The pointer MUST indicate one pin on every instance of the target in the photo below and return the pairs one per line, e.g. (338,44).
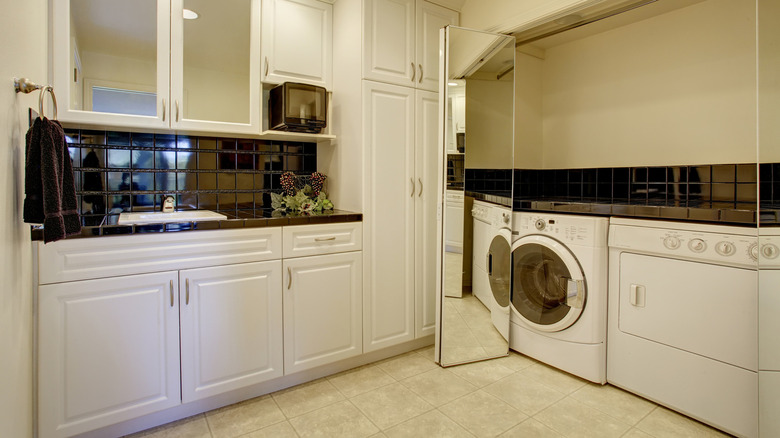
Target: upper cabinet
(215,61)
(402,41)
(149,64)
(297,42)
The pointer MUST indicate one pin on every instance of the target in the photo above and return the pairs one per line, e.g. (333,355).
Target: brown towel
(50,192)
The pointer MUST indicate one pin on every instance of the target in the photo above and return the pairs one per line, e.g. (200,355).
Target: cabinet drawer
(306,240)
(80,259)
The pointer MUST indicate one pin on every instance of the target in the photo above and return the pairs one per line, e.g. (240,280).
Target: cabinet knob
(266,67)
(171,293)
(414,70)
(289,277)
(421,74)
(163,109)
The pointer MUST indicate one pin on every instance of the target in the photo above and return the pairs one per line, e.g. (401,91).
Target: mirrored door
(478,150)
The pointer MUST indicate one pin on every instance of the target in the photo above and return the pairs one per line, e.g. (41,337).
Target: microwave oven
(298,107)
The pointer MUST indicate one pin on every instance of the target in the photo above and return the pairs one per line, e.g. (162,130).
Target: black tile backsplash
(123,171)
(497,182)
(700,186)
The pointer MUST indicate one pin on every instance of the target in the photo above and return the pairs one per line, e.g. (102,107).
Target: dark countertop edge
(495,199)
(338,216)
(731,216)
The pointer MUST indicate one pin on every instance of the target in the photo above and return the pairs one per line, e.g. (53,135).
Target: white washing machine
(683,309)
(769,332)
(491,271)
(559,291)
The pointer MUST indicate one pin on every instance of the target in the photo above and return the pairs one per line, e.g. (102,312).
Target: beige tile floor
(410,396)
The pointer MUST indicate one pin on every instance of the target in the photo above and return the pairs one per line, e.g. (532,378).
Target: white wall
(23,53)
(342,160)
(489,126)
(675,89)
(769,77)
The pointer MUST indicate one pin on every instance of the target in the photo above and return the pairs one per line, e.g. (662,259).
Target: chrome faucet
(169,202)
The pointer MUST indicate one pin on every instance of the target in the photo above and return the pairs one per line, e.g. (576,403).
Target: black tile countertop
(235,219)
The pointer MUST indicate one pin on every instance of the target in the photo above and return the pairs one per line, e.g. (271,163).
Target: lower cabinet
(108,351)
(231,327)
(116,348)
(322,310)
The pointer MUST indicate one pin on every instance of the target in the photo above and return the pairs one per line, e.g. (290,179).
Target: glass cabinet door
(110,61)
(215,65)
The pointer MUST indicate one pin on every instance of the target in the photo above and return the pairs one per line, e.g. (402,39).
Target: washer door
(548,286)
(499,267)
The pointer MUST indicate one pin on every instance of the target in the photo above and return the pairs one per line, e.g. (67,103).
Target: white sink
(157,217)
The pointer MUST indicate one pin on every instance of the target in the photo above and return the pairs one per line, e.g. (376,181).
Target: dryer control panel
(736,248)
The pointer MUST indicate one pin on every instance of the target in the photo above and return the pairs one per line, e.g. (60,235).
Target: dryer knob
(697,245)
(506,218)
(540,224)
(672,242)
(753,251)
(725,248)
(769,250)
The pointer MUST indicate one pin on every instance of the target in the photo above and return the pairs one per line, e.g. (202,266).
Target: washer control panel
(481,212)
(579,230)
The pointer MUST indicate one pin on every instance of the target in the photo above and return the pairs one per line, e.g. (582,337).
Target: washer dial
(672,242)
(769,250)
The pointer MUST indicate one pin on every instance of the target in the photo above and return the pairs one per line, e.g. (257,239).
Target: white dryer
(769,331)
(491,271)
(559,291)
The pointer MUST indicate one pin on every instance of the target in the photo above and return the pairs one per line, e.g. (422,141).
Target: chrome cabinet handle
(413,71)
(266,67)
(324,239)
(289,277)
(411,180)
(163,111)
(421,74)
(171,293)
(177,110)
(187,288)
(421,187)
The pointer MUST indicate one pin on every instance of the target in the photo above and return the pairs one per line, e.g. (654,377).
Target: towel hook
(24,85)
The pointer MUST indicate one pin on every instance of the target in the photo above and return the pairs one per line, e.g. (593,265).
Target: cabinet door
(108,351)
(215,63)
(322,310)
(231,327)
(388,41)
(297,42)
(388,228)
(110,61)
(427,202)
(430,18)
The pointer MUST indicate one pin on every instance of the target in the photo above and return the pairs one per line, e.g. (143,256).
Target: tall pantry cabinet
(400,111)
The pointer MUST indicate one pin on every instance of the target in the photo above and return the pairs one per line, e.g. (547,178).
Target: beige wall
(504,15)
(489,124)
(769,85)
(23,53)
(678,88)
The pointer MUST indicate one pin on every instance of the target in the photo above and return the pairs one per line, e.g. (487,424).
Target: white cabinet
(143,66)
(231,327)
(322,310)
(108,351)
(297,42)
(401,41)
(400,210)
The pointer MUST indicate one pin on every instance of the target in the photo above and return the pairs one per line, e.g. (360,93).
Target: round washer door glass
(548,284)
(499,268)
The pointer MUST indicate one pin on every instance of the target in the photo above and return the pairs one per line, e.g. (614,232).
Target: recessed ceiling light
(188,14)
(452,84)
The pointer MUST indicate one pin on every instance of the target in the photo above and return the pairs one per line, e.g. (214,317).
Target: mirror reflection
(769,216)
(477,219)
(114,67)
